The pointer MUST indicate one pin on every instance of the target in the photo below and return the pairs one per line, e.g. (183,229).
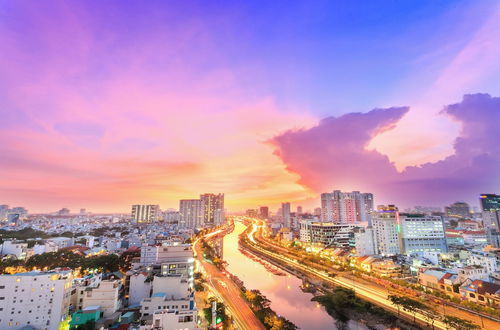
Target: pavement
(225,289)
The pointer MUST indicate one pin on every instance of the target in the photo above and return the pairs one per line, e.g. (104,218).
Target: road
(226,290)
(370,292)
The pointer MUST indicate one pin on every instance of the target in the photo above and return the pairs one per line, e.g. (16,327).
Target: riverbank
(378,317)
(284,293)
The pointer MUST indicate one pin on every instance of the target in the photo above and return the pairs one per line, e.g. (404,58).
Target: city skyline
(105,105)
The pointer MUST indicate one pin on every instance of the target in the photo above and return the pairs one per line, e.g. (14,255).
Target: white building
(79,287)
(169,299)
(61,242)
(15,248)
(139,286)
(484,259)
(45,248)
(158,254)
(171,294)
(327,233)
(422,233)
(170,320)
(472,273)
(105,295)
(364,241)
(38,299)
(387,230)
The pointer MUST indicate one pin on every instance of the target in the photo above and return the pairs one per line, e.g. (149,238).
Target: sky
(104,104)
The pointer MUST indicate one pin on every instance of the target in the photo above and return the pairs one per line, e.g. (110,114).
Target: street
(226,290)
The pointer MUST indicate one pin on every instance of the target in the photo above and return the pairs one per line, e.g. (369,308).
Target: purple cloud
(333,154)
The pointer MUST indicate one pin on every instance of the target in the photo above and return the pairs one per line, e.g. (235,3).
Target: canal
(287,299)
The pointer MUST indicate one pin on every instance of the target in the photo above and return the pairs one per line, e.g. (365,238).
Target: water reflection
(286,297)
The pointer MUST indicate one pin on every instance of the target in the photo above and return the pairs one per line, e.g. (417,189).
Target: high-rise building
(285,214)
(490,205)
(458,210)
(212,209)
(264,212)
(4,211)
(35,299)
(145,213)
(13,219)
(299,210)
(171,216)
(21,211)
(63,211)
(422,233)
(346,207)
(190,213)
(252,213)
(387,230)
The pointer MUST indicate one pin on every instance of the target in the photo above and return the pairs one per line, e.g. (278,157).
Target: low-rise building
(327,233)
(15,248)
(481,292)
(167,320)
(387,268)
(430,278)
(105,295)
(473,272)
(89,314)
(364,242)
(484,259)
(172,296)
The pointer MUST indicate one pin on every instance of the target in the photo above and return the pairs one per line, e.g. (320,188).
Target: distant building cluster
(12,216)
(454,250)
(154,292)
(206,211)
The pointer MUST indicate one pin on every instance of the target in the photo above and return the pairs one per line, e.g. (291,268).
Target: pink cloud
(333,155)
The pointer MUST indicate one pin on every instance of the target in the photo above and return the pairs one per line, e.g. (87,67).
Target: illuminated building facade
(346,207)
(387,230)
(421,233)
(145,213)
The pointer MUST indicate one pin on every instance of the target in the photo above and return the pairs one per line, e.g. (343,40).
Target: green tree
(459,324)
(125,260)
(396,301)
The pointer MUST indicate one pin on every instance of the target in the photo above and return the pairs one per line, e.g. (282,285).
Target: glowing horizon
(105,105)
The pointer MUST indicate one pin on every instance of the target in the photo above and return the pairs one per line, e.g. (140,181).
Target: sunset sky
(108,103)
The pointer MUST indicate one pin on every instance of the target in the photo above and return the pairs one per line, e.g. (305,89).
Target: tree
(459,324)
(431,316)
(396,301)
(409,305)
(125,260)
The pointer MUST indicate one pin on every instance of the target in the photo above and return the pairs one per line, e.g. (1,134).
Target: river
(283,291)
